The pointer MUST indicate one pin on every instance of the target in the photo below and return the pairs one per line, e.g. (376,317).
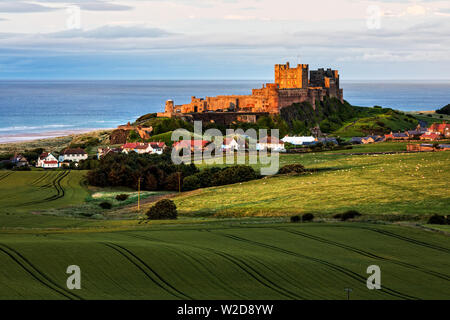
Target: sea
(42,109)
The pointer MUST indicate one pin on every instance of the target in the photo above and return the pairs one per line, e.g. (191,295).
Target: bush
(351,214)
(295,219)
(105,205)
(163,209)
(122,197)
(295,168)
(307,217)
(191,183)
(437,219)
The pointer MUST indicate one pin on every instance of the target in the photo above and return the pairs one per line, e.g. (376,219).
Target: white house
(48,161)
(73,155)
(298,140)
(141,148)
(231,144)
(270,143)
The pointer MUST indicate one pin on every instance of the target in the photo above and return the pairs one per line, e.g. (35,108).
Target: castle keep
(292,85)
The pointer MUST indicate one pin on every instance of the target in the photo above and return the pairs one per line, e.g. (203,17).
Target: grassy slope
(411,184)
(284,261)
(40,190)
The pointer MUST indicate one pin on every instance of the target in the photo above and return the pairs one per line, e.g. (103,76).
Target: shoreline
(45,135)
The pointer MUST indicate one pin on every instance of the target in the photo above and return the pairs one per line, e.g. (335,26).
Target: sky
(223,39)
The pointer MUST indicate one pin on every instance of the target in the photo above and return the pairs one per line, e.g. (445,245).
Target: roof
(444,146)
(400,135)
(190,143)
(135,145)
(430,135)
(157,144)
(43,155)
(73,151)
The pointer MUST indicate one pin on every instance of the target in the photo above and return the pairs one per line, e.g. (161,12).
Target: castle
(292,85)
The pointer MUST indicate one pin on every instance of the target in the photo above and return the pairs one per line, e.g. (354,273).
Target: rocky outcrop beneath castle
(292,85)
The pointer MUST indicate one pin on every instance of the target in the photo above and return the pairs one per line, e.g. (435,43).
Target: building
(101,152)
(428,147)
(73,155)
(47,161)
(192,145)
(442,129)
(270,143)
(328,140)
(157,147)
(396,136)
(141,148)
(230,144)
(432,136)
(298,141)
(292,85)
(19,160)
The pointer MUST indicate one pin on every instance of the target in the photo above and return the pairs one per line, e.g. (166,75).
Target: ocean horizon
(36,109)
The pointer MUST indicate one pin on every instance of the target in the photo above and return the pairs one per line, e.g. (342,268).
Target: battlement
(287,77)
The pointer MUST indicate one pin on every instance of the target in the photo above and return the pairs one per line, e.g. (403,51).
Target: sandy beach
(28,137)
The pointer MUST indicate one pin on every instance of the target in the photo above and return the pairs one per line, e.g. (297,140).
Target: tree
(163,209)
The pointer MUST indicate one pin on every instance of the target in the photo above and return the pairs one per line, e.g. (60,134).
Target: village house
(101,152)
(47,161)
(137,147)
(19,160)
(396,136)
(432,136)
(270,143)
(73,155)
(442,129)
(328,140)
(193,145)
(428,147)
(157,147)
(230,144)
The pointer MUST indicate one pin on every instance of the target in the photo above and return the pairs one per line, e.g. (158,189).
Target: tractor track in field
(32,270)
(5,175)
(40,178)
(147,270)
(367,253)
(56,184)
(260,278)
(410,240)
(333,266)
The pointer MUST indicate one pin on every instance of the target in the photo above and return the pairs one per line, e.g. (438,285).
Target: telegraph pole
(348,290)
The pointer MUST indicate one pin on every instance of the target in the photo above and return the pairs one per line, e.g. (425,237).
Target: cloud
(10,6)
(112,32)
(22,7)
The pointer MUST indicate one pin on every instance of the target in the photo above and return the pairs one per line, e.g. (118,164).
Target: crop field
(415,185)
(219,261)
(26,191)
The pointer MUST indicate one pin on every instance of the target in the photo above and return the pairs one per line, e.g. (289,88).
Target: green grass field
(414,185)
(25,191)
(220,261)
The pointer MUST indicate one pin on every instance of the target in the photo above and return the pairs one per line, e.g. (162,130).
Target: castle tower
(169,106)
(287,77)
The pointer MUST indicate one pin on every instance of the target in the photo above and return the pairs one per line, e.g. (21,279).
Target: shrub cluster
(162,210)
(122,197)
(105,205)
(217,177)
(438,219)
(304,218)
(351,214)
(156,172)
(295,168)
